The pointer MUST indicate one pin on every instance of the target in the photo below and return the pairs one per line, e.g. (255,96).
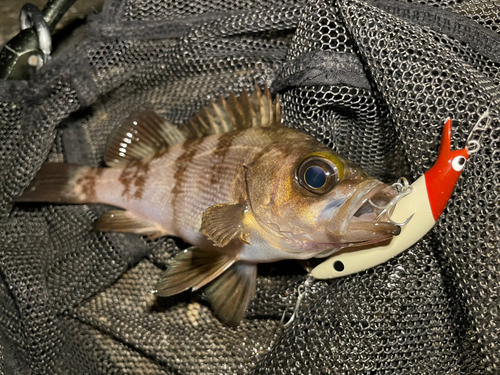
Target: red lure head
(441,179)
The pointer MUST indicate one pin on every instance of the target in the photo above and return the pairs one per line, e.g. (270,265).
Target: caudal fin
(56,182)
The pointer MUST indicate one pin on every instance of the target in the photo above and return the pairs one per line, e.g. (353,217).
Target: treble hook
(403,188)
(302,291)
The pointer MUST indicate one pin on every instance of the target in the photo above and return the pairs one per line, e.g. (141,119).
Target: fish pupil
(315,177)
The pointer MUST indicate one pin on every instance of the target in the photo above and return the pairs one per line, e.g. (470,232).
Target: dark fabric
(372,79)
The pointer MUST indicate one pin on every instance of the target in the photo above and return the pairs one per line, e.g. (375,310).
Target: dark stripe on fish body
(135,174)
(125,179)
(190,148)
(141,178)
(224,144)
(88,183)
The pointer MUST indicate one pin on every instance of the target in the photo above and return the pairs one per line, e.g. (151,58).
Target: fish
(233,182)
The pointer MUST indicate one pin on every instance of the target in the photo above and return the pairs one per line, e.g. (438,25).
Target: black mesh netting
(373,79)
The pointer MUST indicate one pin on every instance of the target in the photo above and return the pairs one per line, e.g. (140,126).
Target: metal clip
(29,50)
(30,17)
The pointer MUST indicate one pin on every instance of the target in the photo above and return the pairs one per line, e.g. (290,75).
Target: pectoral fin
(126,221)
(230,294)
(224,222)
(193,268)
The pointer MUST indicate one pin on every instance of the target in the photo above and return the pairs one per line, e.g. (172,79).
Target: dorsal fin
(235,113)
(140,136)
(145,133)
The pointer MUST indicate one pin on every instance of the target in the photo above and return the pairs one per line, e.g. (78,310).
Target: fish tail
(61,183)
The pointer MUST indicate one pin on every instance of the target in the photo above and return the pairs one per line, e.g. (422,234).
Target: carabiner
(29,50)
(31,16)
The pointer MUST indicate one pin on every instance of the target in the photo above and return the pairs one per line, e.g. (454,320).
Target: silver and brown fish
(233,182)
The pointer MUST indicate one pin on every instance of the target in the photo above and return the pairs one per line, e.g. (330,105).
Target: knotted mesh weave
(373,79)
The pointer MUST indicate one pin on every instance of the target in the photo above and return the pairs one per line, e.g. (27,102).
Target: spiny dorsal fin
(276,114)
(230,294)
(235,113)
(193,268)
(140,136)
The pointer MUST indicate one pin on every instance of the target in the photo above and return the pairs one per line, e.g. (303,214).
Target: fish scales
(179,176)
(234,183)
(214,173)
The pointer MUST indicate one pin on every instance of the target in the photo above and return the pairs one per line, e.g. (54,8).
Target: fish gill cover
(374,80)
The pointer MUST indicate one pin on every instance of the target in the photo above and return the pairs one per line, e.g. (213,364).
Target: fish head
(313,199)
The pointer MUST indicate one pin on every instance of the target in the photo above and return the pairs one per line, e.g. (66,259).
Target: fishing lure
(419,206)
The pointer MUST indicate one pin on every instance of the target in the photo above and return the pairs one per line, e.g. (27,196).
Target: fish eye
(317,174)
(315,177)
(458,163)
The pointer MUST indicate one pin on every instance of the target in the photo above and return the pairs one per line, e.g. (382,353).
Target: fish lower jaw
(375,228)
(270,244)
(261,251)
(367,234)
(353,245)
(308,248)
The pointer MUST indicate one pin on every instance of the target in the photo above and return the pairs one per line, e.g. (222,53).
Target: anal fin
(126,221)
(230,294)
(193,268)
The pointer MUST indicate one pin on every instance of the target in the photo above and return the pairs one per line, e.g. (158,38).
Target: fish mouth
(361,223)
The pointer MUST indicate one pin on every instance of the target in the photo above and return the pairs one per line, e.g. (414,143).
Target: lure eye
(458,163)
(317,175)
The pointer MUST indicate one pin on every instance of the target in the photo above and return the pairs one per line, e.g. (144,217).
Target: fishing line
(474,145)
